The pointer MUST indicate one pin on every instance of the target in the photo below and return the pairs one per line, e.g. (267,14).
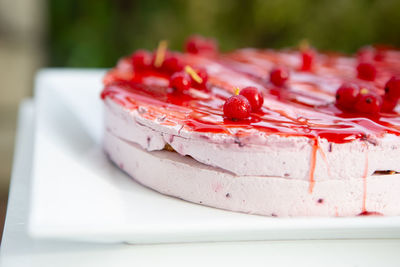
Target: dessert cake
(278,133)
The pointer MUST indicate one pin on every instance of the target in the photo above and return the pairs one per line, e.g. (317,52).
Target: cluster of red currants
(250,99)
(239,107)
(350,97)
(181,76)
(143,60)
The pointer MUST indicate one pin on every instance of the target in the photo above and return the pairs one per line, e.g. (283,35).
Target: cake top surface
(299,90)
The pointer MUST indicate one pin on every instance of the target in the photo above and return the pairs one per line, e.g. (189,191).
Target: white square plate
(78,194)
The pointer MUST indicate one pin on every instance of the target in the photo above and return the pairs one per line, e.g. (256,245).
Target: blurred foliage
(96,33)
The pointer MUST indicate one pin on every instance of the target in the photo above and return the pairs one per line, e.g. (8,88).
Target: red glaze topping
(306,107)
(370,213)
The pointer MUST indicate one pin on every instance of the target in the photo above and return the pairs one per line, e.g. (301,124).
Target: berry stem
(304,45)
(364,91)
(160,54)
(189,70)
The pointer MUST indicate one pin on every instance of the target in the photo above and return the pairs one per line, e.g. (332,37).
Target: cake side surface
(183,177)
(288,157)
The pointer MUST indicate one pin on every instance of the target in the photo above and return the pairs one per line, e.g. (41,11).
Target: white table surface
(18,249)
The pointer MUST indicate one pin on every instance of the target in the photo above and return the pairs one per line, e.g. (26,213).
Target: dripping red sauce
(313,160)
(304,107)
(370,213)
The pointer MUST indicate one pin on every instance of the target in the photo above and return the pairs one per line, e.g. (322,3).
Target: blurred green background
(96,33)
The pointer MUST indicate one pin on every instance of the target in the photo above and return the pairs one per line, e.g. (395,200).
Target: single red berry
(392,88)
(307,57)
(388,104)
(202,73)
(172,64)
(200,45)
(346,95)
(279,76)
(141,60)
(366,71)
(180,81)
(254,96)
(237,108)
(368,103)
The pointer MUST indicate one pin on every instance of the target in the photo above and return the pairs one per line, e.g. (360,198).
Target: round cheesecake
(299,155)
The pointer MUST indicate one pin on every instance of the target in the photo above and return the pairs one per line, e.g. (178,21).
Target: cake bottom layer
(183,177)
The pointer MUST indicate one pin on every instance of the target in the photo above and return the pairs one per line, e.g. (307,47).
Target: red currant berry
(141,60)
(200,45)
(366,71)
(388,105)
(180,81)
(237,108)
(279,76)
(254,96)
(346,95)
(172,64)
(392,88)
(368,103)
(202,73)
(307,57)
